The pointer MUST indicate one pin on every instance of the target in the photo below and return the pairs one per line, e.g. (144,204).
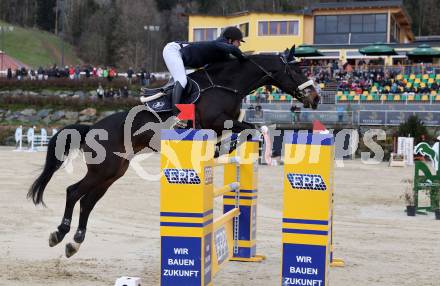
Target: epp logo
(182,176)
(306,182)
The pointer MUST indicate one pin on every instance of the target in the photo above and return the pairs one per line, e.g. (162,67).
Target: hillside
(36,48)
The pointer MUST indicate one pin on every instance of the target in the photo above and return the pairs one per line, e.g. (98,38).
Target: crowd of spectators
(362,77)
(418,79)
(112,92)
(77,73)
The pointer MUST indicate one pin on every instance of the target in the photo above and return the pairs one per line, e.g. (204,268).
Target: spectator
(9,74)
(109,94)
(87,72)
(124,92)
(105,73)
(100,72)
(18,74)
(40,75)
(31,74)
(77,72)
(142,77)
(296,112)
(147,78)
(111,74)
(100,92)
(130,74)
(71,72)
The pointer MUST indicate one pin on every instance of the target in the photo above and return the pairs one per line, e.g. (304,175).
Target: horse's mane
(232,62)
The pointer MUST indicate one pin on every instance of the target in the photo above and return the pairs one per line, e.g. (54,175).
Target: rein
(235,91)
(213,85)
(266,74)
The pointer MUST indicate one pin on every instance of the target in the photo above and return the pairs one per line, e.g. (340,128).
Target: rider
(178,55)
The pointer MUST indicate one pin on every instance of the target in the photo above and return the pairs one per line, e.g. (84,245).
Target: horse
(223,88)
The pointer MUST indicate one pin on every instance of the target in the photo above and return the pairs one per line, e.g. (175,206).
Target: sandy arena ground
(380,244)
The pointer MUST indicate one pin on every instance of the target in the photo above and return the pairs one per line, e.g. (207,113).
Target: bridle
(299,95)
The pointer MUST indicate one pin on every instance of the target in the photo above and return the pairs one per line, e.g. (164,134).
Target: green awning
(378,49)
(304,51)
(424,51)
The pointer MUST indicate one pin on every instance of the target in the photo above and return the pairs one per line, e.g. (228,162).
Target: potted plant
(398,157)
(409,197)
(436,197)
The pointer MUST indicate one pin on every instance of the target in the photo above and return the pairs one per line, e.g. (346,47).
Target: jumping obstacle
(194,245)
(308,209)
(425,178)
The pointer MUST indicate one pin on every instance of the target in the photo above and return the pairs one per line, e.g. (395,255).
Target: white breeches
(174,63)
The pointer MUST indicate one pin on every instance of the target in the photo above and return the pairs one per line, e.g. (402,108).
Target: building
(263,32)
(337,29)
(360,23)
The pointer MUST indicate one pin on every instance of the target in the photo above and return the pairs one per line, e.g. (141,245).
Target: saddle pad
(163,104)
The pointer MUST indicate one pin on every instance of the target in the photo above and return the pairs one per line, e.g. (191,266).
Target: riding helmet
(233,33)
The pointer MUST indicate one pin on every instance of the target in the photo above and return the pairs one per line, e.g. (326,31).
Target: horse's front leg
(225,122)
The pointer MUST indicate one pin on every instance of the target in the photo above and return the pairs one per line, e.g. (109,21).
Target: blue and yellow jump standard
(186,205)
(247,174)
(194,245)
(307,208)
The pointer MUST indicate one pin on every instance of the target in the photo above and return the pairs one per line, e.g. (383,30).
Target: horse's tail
(53,163)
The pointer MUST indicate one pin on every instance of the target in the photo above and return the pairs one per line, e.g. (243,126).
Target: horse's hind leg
(73,194)
(87,204)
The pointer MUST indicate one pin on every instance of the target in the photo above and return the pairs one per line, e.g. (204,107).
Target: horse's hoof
(53,239)
(72,248)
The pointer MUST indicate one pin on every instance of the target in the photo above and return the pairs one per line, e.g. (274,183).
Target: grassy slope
(36,48)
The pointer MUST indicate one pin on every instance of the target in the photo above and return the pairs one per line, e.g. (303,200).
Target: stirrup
(144,99)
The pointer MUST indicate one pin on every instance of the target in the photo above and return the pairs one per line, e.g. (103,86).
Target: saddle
(159,99)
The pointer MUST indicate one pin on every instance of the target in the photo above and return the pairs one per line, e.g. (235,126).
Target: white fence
(31,142)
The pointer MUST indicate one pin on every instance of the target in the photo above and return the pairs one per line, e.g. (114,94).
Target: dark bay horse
(224,84)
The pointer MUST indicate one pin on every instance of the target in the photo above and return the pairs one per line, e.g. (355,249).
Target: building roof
(242,13)
(9,62)
(357,5)
(321,6)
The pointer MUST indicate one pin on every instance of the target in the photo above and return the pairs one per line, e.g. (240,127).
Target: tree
(413,127)
(46,14)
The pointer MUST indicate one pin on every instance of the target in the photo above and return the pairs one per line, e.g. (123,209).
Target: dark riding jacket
(199,54)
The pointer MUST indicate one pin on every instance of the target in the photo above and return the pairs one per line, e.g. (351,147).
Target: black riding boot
(177,95)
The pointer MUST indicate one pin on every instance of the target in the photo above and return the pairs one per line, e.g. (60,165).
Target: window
(381,23)
(275,28)
(343,24)
(356,23)
(293,28)
(331,24)
(205,34)
(320,24)
(369,23)
(263,28)
(283,28)
(244,29)
(357,28)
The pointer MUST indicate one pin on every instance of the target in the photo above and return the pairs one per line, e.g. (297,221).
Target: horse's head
(291,79)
